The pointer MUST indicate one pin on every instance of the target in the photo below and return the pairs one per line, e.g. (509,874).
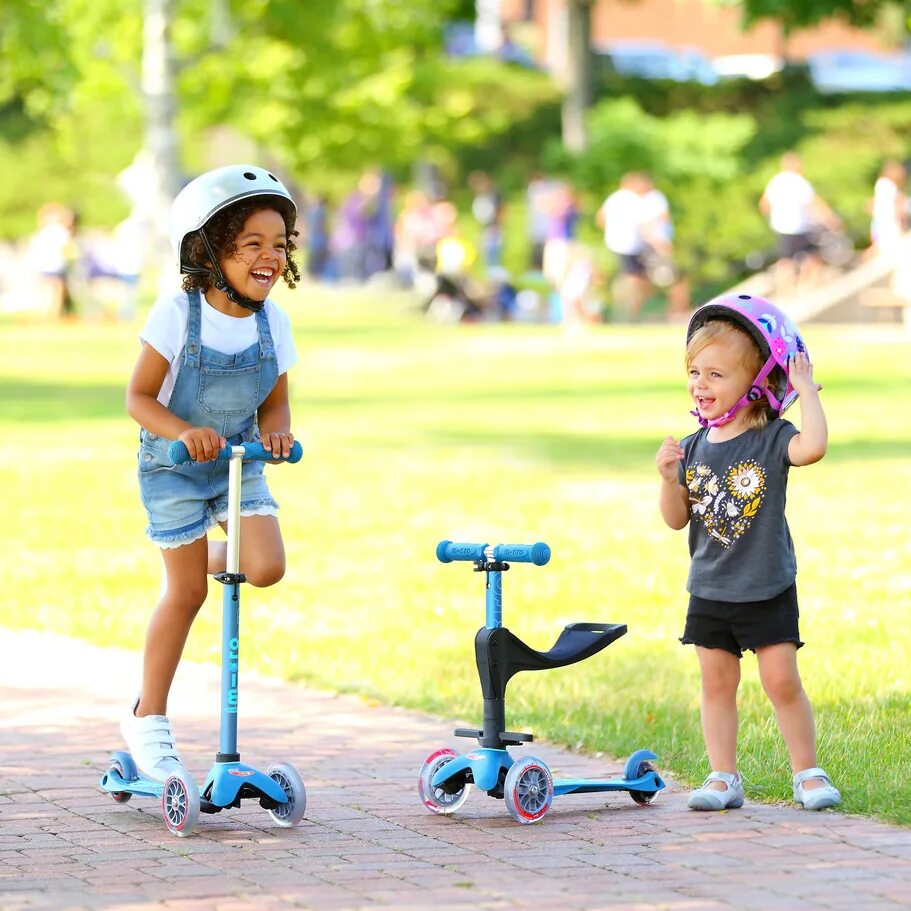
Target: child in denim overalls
(212,371)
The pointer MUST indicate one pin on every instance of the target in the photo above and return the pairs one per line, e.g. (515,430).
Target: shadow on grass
(36,401)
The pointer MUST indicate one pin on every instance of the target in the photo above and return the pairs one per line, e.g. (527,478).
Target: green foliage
(794,14)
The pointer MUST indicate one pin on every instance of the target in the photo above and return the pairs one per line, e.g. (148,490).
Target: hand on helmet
(801,374)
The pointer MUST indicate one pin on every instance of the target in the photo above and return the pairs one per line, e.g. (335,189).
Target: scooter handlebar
(538,553)
(180,455)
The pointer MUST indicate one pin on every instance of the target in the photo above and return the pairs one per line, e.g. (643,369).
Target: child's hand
(203,443)
(801,374)
(279,444)
(670,453)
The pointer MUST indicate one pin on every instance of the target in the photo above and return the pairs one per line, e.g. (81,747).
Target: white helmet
(213,191)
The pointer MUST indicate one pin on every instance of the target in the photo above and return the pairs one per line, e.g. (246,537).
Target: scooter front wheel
(287,778)
(180,803)
(528,790)
(440,800)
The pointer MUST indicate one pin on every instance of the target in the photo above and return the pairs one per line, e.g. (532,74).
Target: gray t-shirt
(740,545)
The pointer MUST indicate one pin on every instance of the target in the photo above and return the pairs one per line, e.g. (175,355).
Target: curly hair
(223,228)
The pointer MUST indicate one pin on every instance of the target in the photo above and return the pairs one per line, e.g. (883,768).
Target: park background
(416,432)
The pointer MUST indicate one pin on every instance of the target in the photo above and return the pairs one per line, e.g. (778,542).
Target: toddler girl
(746,363)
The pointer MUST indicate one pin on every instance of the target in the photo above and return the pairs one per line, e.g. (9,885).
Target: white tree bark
(160,136)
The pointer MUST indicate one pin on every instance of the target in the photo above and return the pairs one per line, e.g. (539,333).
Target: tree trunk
(578,96)
(160,138)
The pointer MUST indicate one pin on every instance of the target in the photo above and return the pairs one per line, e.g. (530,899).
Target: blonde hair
(750,358)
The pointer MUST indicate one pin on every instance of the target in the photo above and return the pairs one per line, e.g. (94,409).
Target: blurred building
(700,24)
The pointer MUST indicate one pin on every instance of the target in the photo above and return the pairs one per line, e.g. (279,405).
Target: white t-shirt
(623,213)
(790,197)
(656,213)
(886,227)
(166,331)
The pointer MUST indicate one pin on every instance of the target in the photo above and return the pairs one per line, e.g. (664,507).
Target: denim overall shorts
(224,392)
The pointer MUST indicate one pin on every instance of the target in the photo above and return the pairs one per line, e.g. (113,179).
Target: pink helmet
(778,340)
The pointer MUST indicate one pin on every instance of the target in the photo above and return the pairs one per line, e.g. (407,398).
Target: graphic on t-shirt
(726,507)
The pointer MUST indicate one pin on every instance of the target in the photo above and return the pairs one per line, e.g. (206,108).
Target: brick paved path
(366,841)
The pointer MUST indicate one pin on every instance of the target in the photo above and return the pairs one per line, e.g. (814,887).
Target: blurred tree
(794,14)
(578,74)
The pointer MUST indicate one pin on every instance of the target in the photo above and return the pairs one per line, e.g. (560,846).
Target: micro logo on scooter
(234,646)
(241,773)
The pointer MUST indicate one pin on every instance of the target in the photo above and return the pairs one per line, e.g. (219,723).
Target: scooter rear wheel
(644,797)
(180,803)
(440,800)
(123,765)
(287,778)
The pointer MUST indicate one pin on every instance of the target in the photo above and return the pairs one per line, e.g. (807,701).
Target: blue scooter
(279,789)
(526,785)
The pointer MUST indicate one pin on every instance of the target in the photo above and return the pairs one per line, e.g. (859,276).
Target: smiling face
(260,255)
(720,373)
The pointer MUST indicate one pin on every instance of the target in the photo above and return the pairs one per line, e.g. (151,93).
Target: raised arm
(810,444)
(673,500)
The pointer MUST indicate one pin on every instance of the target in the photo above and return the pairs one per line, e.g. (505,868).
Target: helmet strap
(221,283)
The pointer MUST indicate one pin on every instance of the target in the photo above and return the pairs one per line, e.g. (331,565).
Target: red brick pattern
(366,841)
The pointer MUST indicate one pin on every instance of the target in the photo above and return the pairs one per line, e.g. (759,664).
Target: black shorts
(632,263)
(739,625)
(794,245)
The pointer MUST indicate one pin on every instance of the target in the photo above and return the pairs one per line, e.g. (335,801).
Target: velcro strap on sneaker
(729,779)
(801,777)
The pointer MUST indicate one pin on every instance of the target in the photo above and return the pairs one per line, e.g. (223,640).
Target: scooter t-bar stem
(251,452)
(539,553)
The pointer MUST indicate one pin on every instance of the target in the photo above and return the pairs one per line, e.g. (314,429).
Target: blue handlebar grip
(538,553)
(179,454)
(447,551)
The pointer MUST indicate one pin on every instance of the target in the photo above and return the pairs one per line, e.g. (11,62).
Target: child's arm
(274,419)
(674,500)
(203,443)
(810,444)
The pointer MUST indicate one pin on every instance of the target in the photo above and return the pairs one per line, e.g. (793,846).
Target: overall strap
(266,346)
(191,351)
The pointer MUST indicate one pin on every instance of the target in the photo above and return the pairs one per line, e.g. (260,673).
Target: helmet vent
(744,297)
(249,175)
(273,177)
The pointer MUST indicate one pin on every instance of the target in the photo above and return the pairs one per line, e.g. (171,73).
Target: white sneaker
(151,744)
(815,798)
(707,798)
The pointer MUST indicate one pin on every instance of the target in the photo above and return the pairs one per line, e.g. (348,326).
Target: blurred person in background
(317,227)
(50,254)
(537,200)
(796,212)
(889,209)
(487,209)
(621,217)
(658,231)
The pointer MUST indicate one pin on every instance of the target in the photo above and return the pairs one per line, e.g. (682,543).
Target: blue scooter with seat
(279,789)
(526,785)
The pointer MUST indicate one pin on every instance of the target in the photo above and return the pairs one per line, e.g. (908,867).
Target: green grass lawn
(414,433)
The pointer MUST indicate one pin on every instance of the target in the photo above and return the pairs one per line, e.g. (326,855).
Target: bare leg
(262,553)
(720,679)
(781,681)
(184,593)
